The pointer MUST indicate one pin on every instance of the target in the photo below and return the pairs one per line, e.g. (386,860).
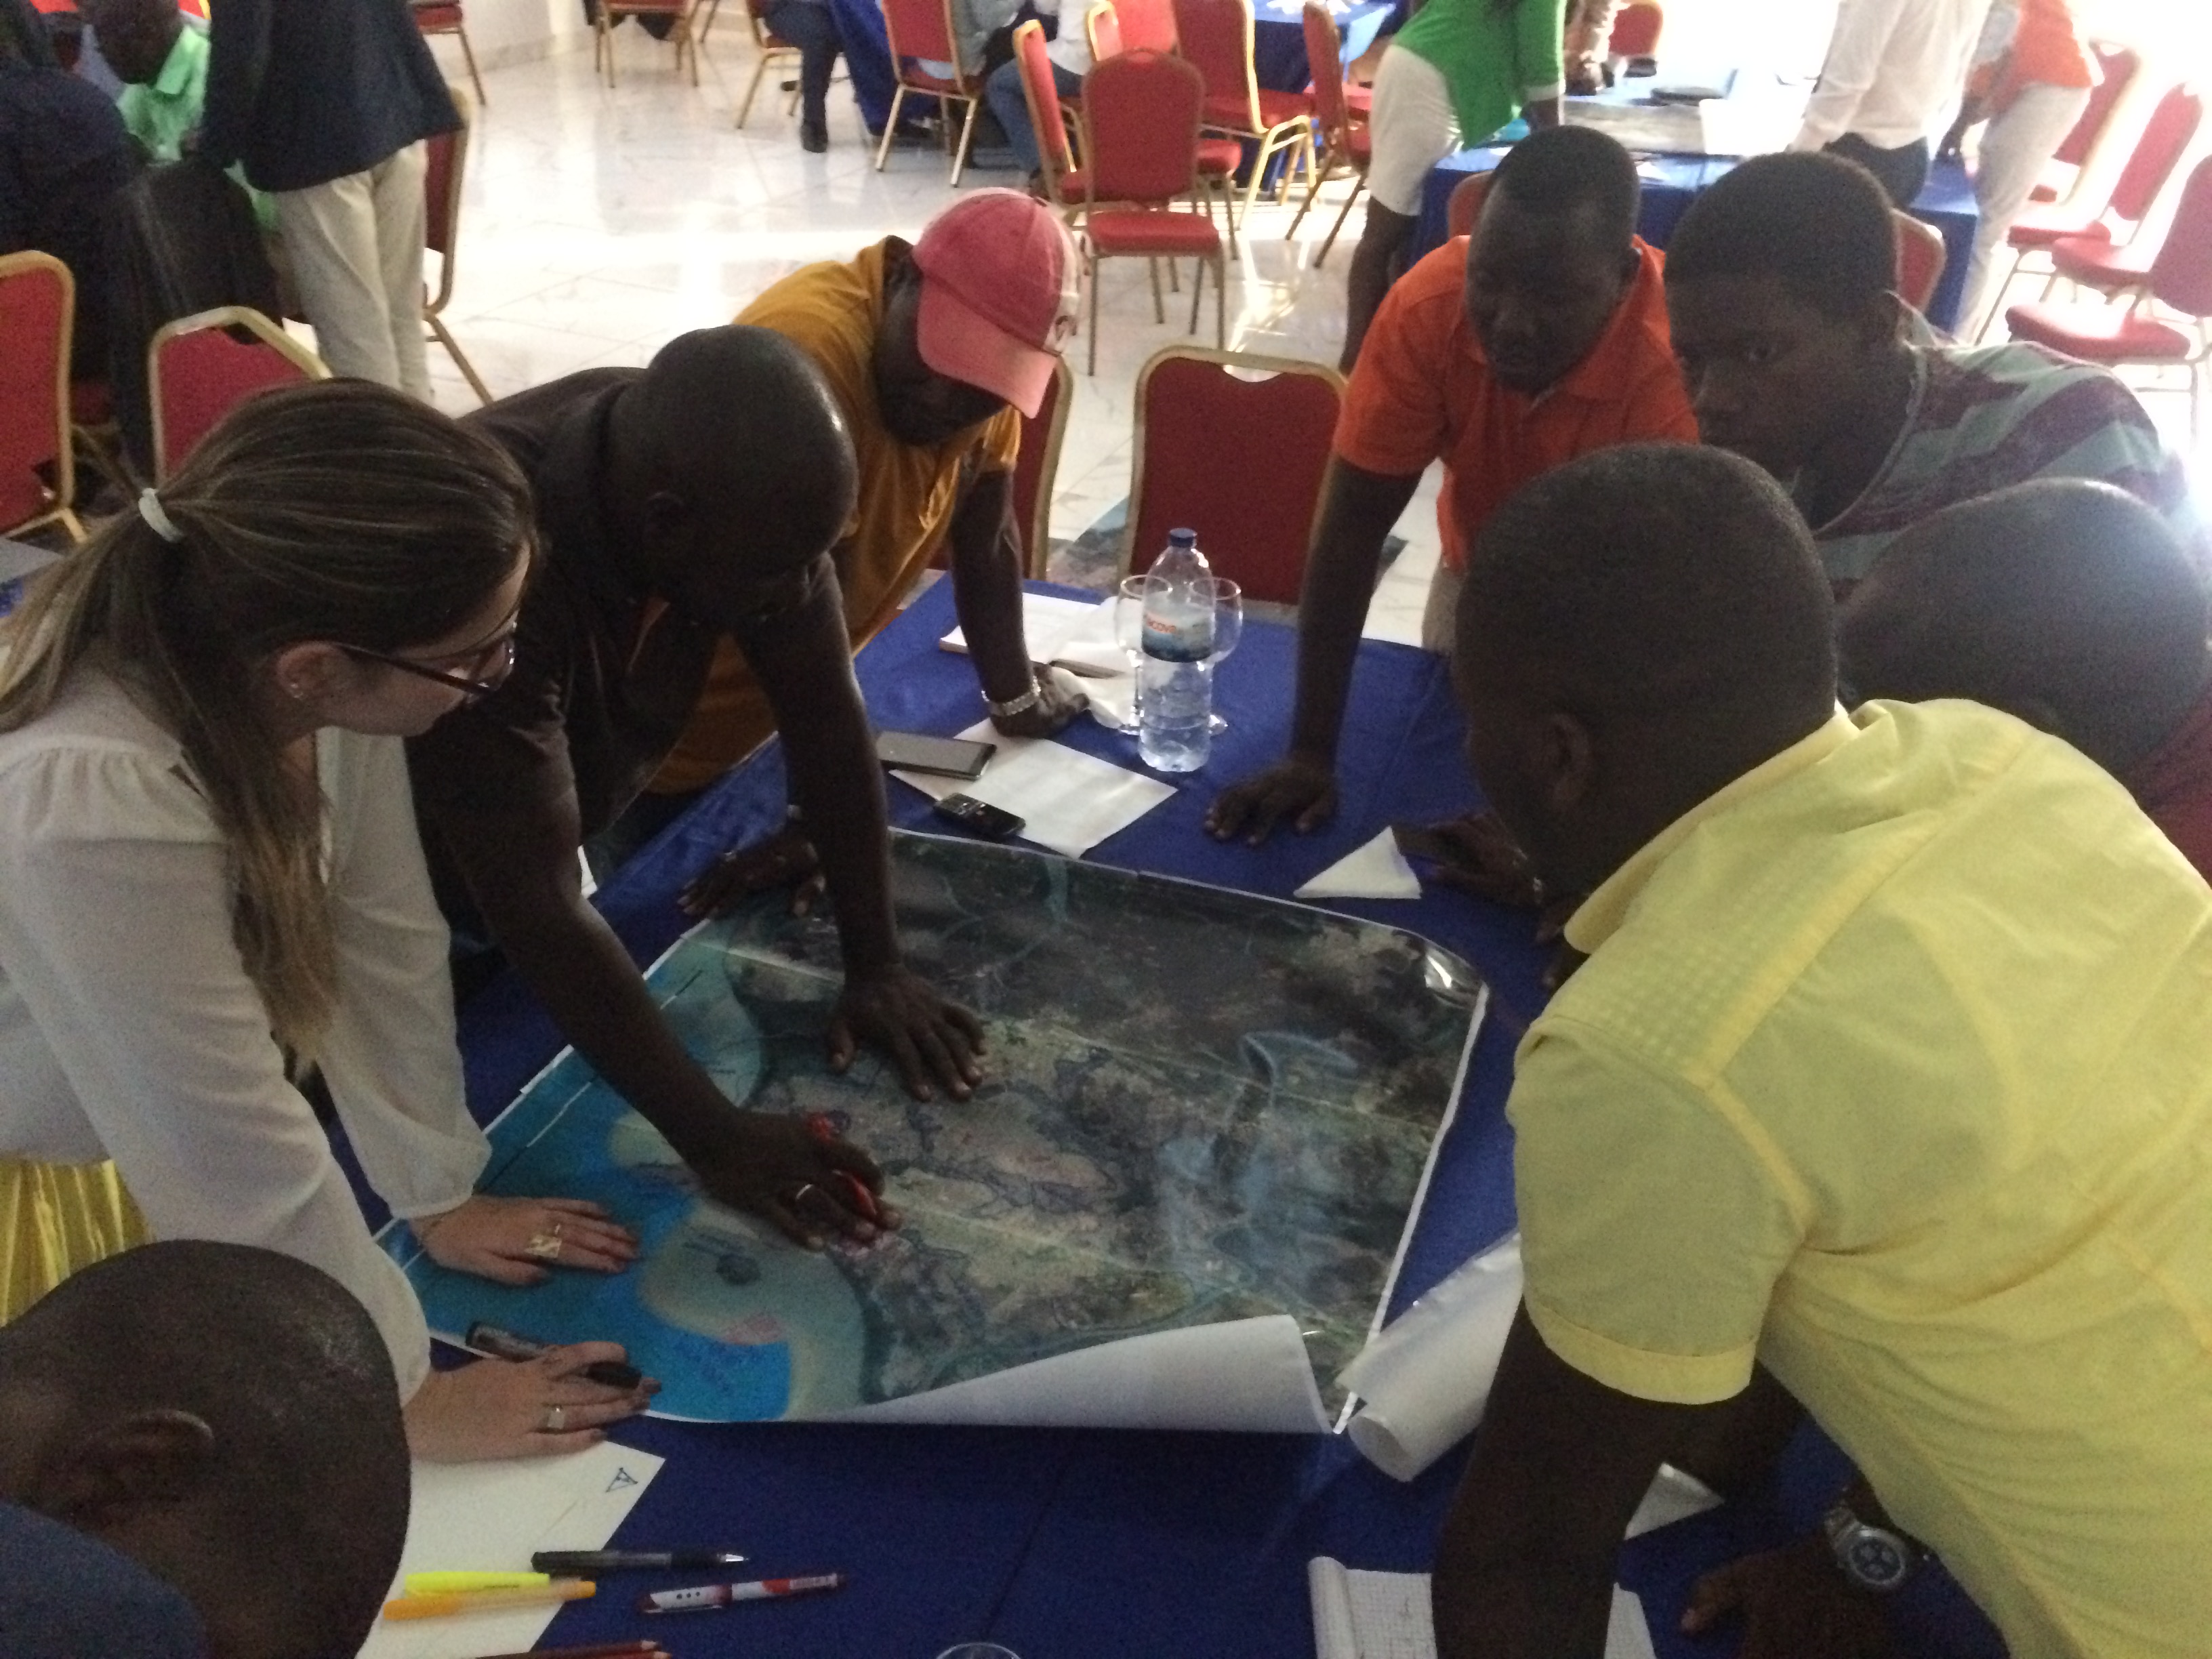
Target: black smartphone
(979,817)
(945,757)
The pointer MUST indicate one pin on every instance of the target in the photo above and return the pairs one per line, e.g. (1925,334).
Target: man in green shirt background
(163,62)
(1455,74)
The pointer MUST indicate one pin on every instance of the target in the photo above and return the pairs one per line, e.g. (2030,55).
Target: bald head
(2068,604)
(227,1418)
(135,35)
(1639,627)
(731,461)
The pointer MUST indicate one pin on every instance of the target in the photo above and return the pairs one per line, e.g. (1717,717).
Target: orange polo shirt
(1423,391)
(2047,50)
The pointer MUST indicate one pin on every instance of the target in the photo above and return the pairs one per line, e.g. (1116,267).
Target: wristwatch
(1014,705)
(1873,1558)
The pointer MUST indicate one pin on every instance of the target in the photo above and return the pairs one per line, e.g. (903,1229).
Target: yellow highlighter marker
(461,1583)
(490,1600)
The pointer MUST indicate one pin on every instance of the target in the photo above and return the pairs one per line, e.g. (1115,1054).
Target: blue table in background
(1671,183)
(1101,1545)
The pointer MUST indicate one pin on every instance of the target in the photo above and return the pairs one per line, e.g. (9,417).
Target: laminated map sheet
(1181,1191)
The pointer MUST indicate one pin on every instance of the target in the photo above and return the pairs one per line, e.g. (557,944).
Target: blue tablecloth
(1072,1545)
(1671,183)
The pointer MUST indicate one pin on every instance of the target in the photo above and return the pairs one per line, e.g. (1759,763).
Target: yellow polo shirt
(908,493)
(1892,1067)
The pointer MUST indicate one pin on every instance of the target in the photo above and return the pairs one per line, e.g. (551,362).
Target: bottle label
(1186,638)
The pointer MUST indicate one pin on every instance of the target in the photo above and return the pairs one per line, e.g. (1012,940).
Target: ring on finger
(797,1195)
(546,1247)
(556,1419)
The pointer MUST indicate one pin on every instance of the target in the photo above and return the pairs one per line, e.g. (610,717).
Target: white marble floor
(596,224)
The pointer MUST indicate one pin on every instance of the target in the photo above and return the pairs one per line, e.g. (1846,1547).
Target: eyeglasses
(487,667)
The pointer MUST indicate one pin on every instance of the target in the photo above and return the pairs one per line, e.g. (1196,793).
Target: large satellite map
(1201,1108)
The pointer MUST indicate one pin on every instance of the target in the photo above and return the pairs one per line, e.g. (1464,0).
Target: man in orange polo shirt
(1538,339)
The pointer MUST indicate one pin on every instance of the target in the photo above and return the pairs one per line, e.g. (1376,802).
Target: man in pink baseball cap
(934,350)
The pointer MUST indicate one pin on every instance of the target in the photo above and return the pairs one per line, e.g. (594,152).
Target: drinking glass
(979,1651)
(1228,628)
(1129,602)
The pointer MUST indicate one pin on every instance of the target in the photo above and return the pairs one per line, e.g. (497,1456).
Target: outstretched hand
(934,1043)
(518,1240)
(786,859)
(1794,1604)
(1060,700)
(800,1174)
(527,1408)
(1300,790)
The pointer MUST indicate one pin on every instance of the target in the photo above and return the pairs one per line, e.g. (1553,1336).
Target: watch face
(1875,1560)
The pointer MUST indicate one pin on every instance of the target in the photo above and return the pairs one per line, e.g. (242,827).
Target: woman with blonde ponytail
(209,862)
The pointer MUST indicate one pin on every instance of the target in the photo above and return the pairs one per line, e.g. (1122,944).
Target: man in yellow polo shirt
(913,340)
(1884,1082)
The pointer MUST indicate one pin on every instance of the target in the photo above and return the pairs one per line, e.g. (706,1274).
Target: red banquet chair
(1102,27)
(1636,30)
(1140,115)
(1465,204)
(1063,180)
(198,368)
(2116,67)
(1344,144)
(771,51)
(38,320)
(444,17)
(447,155)
(922,30)
(1217,38)
(1234,446)
(1921,257)
(2179,279)
(680,14)
(1147,25)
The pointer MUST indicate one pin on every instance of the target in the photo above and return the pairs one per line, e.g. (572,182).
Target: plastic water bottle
(1175,697)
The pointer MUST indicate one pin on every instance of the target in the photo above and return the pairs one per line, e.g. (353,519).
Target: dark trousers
(1900,171)
(811,28)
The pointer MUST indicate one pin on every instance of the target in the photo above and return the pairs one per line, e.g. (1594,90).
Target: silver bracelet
(1013,706)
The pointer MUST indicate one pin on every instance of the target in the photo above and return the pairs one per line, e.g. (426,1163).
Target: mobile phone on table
(979,817)
(945,757)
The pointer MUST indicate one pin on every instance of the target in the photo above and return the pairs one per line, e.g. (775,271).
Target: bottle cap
(1182,538)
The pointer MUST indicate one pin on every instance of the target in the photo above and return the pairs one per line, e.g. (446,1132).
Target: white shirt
(129,1028)
(1070,50)
(1895,71)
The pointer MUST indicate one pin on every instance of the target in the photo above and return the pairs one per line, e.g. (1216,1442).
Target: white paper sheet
(1077,634)
(1071,801)
(1375,869)
(1248,1375)
(1385,1615)
(492,1518)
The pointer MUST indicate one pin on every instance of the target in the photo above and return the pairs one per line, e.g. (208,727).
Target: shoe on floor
(813,137)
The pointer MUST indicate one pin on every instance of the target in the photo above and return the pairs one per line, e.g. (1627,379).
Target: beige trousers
(356,251)
(1439,618)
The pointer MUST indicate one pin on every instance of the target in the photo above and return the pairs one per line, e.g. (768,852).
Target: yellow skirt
(56,1218)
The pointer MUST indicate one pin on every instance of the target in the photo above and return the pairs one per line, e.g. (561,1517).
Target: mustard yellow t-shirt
(908,493)
(1891,1066)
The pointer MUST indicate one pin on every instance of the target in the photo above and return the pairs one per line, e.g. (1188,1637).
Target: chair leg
(1175,277)
(706,28)
(890,126)
(1092,261)
(444,337)
(1313,193)
(1267,148)
(752,87)
(1227,186)
(468,57)
(1159,314)
(1220,305)
(1359,184)
(967,137)
(1197,292)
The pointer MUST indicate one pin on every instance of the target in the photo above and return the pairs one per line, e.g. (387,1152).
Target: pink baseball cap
(998,294)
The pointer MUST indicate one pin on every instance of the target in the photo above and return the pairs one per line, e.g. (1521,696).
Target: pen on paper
(497,1601)
(591,1561)
(705,1596)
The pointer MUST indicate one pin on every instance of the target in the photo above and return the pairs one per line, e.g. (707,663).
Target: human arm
(1847,74)
(238,46)
(987,593)
(803,661)
(1358,509)
(1539,28)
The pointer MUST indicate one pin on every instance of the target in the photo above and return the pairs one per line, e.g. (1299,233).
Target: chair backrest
(2173,124)
(1035,465)
(1239,460)
(1465,204)
(1921,257)
(1150,24)
(1325,60)
(200,367)
(1042,93)
(445,156)
(2181,274)
(1102,25)
(1140,115)
(38,315)
(438,17)
(1636,31)
(1215,37)
(2118,65)
(920,28)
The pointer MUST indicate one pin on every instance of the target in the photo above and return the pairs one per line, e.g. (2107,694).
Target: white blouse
(129,1028)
